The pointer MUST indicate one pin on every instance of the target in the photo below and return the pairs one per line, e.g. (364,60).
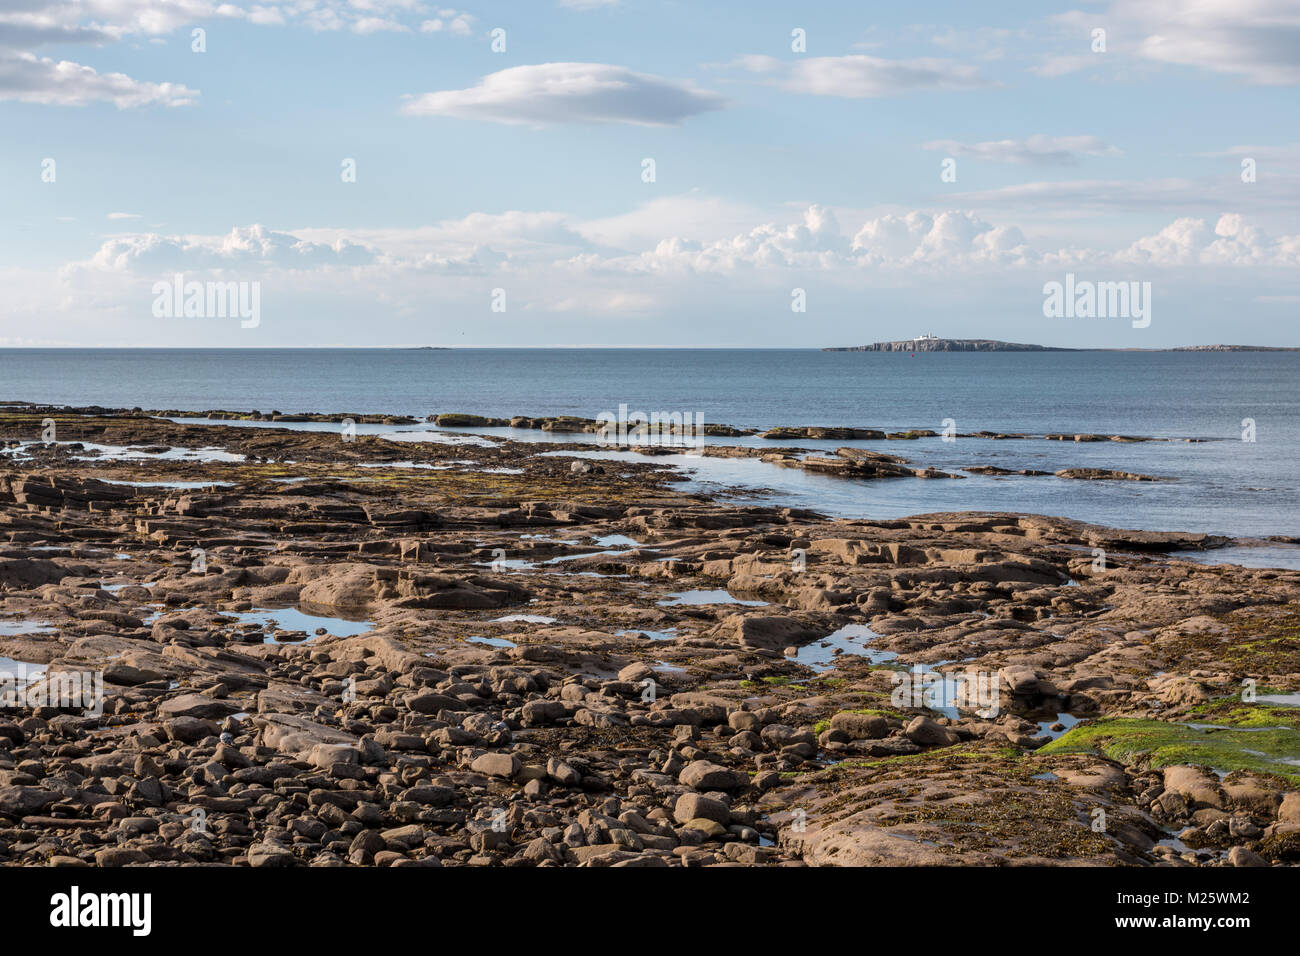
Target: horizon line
(625,348)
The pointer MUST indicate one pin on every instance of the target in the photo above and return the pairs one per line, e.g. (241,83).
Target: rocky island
(931,343)
(323,649)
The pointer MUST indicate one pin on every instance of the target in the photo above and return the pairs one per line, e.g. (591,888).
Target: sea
(1241,479)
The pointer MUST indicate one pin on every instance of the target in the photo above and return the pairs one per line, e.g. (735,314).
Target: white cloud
(449,21)
(538,243)
(698,216)
(123,215)
(1286,154)
(31,79)
(366,25)
(1257,40)
(699,290)
(859,75)
(1233,241)
(1037,150)
(548,93)
(252,247)
(28,24)
(1280,194)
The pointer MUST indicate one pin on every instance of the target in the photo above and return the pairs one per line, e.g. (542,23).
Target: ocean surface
(1224,485)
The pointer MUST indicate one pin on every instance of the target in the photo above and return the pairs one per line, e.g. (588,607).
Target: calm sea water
(1225,486)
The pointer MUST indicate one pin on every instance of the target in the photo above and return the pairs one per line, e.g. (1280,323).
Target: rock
(269,854)
(861,726)
(711,829)
(504,766)
(1020,680)
(927,733)
(120,856)
(742,720)
(1240,856)
(1196,786)
(1289,810)
(120,672)
(636,672)
(195,705)
(189,730)
(291,734)
(17,801)
(691,806)
(537,713)
(430,703)
(404,838)
(542,850)
(326,756)
(562,773)
(703,775)
(767,631)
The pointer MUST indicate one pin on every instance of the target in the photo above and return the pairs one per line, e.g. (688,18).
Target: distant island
(933,343)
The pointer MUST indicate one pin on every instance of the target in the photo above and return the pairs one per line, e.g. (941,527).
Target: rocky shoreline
(329,650)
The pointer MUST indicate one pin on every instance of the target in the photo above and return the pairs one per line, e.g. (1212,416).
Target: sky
(638,173)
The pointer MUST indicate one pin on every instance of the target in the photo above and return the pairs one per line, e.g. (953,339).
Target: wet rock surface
(507,662)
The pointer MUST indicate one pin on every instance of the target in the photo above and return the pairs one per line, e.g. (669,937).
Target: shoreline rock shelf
(513,664)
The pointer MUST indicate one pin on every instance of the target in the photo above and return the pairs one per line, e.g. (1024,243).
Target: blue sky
(522,170)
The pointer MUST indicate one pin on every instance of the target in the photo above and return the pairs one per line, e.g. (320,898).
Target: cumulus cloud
(859,75)
(1234,241)
(251,247)
(549,93)
(545,247)
(1037,150)
(437,278)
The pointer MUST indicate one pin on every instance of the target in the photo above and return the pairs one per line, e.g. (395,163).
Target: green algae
(1155,743)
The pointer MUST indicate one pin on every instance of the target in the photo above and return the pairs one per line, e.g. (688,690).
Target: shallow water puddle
(1065,720)
(670,634)
(291,619)
(1279,700)
(137,452)
(507,564)
(114,588)
(850,639)
(179,485)
(608,553)
(404,464)
(491,641)
(523,619)
(12,628)
(15,674)
(718,596)
(663,667)
(617,540)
